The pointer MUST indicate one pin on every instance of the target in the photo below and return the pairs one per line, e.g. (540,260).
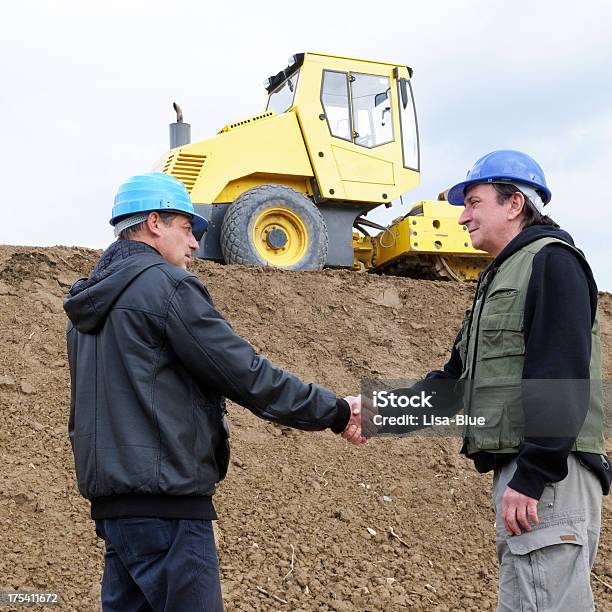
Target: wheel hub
(280,236)
(276,238)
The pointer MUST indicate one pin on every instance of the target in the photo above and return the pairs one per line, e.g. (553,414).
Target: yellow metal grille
(233,126)
(185,167)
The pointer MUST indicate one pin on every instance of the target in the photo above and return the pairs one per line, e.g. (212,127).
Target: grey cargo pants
(548,568)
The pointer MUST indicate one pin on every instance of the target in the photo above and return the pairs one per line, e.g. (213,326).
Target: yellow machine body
(340,131)
(265,149)
(293,147)
(344,169)
(430,230)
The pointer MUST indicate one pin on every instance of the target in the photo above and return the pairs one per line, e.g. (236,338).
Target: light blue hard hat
(505,166)
(145,193)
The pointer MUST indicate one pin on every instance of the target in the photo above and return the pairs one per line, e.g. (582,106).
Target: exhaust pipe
(180,132)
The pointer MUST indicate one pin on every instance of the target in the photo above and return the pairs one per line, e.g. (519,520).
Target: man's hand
(352,431)
(518,510)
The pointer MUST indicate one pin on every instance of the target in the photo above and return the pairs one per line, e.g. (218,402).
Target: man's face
(176,242)
(487,221)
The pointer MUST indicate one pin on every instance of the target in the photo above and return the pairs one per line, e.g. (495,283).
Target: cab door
(349,111)
(359,112)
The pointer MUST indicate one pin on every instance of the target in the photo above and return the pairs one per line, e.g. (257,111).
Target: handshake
(360,426)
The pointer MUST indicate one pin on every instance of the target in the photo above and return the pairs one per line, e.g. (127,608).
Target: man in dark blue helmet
(533,327)
(151,362)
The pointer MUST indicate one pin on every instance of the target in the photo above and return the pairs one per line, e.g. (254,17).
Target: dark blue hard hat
(505,166)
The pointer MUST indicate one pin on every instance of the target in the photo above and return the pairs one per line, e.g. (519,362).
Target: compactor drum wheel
(274,225)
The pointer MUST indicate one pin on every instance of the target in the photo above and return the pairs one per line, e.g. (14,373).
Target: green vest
(492,332)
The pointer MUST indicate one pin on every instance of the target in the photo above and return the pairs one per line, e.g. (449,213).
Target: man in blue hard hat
(528,362)
(533,326)
(151,362)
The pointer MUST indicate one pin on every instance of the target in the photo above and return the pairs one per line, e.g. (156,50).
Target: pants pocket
(145,537)
(552,567)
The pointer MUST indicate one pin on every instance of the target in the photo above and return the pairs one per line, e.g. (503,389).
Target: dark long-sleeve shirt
(560,308)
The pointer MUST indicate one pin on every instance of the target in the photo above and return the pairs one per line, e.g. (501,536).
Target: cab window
(410,134)
(335,100)
(281,99)
(372,117)
(358,107)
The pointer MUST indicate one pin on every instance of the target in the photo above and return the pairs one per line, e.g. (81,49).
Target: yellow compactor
(292,186)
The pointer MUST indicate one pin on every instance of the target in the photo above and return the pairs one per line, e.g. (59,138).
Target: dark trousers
(159,564)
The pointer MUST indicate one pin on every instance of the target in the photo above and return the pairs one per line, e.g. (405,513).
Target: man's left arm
(217,357)
(558,318)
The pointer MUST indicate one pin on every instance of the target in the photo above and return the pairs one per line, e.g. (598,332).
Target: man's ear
(153,223)
(516,204)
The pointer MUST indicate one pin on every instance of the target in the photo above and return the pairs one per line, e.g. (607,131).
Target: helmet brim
(199,225)
(456,194)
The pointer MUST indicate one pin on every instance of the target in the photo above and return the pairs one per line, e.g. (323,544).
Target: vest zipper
(486,281)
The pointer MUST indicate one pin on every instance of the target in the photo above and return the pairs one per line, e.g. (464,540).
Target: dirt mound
(306,522)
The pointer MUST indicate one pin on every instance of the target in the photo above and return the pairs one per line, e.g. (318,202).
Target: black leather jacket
(151,361)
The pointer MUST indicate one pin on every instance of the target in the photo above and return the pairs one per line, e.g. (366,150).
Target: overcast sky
(87,89)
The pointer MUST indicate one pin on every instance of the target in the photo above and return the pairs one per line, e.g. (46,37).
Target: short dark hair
(531,215)
(129,232)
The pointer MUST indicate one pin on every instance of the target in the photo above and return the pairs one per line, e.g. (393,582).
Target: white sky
(87,89)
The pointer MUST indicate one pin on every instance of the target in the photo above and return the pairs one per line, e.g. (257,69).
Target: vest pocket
(486,436)
(502,292)
(501,348)
(501,336)
(500,407)
(500,301)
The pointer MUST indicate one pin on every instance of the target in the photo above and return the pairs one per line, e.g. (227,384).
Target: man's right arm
(452,368)
(219,359)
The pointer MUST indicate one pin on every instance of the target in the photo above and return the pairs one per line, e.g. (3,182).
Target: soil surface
(307,522)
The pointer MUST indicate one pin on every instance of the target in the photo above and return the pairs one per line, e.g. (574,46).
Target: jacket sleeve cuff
(531,486)
(342,418)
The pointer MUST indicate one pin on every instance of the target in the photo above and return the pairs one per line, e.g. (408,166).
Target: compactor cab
(288,186)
